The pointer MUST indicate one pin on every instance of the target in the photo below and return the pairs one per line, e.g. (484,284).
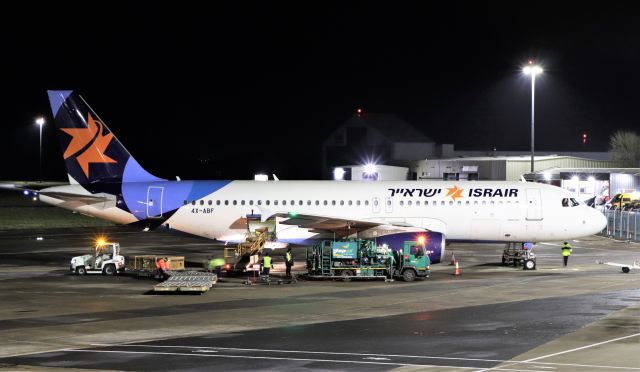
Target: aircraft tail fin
(91,152)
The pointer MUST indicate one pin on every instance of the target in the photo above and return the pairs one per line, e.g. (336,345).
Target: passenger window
(467,202)
(284,202)
(492,202)
(217,202)
(333,202)
(193,202)
(459,203)
(308,202)
(484,202)
(226,202)
(259,202)
(475,202)
(417,203)
(242,202)
(350,202)
(325,202)
(388,201)
(442,202)
(366,203)
(451,202)
(267,202)
(409,202)
(186,202)
(250,202)
(275,202)
(401,202)
(209,202)
(565,202)
(341,202)
(358,202)
(317,202)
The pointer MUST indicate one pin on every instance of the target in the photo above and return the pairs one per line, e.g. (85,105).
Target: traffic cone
(457,273)
(453,259)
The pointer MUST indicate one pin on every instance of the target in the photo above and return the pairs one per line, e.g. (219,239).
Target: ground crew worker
(266,264)
(566,252)
(162,267)
(216,265)
(288,261)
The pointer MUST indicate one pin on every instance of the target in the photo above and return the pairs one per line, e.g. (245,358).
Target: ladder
(325,262)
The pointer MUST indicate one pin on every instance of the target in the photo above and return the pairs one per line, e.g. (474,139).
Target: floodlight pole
(40,123)
(533,100)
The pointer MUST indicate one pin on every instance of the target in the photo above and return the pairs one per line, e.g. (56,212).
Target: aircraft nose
(599,221)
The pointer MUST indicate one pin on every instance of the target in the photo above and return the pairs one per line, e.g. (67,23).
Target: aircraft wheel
(81,270)
(626,270)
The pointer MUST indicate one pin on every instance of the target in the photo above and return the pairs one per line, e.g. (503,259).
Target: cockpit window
(570,202)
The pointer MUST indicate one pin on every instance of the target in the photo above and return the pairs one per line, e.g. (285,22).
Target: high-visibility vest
(566,250)
(288,256)
(267,262)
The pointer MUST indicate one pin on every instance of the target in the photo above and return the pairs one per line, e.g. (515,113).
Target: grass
(20,212)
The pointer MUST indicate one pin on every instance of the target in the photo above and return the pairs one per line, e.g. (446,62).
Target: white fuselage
(468,210)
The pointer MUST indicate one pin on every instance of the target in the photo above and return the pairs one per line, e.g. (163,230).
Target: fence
(622,225)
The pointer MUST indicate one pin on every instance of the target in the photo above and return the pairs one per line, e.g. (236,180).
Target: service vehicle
(626,268)
(104,259)
(519,254)
(362,258)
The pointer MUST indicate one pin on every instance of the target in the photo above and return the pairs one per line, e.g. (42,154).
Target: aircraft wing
(341,226)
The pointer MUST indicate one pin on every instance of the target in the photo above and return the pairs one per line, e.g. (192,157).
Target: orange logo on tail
(83,137)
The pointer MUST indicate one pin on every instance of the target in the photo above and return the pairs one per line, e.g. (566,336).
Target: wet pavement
(491,317)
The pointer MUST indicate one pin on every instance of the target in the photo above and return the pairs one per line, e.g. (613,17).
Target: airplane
(107,182)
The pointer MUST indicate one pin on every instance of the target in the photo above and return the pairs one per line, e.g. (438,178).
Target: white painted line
(363,355)
(584,347)
(299,352)
(515,362)
(271,358)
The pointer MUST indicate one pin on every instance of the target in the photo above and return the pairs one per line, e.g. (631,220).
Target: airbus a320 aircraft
(107,182)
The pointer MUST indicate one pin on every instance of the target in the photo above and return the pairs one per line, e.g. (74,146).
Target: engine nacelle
(434,242)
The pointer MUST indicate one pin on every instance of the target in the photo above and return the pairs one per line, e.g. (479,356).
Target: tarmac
(585,317)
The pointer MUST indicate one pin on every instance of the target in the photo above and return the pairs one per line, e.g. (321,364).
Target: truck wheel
(110,270)
(346,275)
(81,270)
(529,265)
(625,270)
(408,275)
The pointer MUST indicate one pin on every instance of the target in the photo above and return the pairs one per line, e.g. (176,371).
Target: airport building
(385,147)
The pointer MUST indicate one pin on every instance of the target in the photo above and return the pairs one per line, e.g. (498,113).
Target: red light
(530,61)
(584,135)
(359,111)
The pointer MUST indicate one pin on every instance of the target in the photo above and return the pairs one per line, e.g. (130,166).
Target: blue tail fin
(91,152)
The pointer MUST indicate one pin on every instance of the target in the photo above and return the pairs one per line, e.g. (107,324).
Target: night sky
(225,90)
